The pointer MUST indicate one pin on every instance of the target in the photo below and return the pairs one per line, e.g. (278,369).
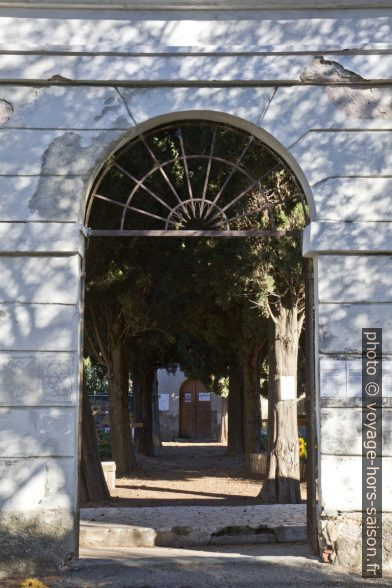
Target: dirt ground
(189,474)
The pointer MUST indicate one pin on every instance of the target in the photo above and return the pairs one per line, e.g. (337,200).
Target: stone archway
(42,246)
(124,202)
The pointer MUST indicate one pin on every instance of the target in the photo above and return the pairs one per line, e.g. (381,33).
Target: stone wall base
(34,542)
(341,533)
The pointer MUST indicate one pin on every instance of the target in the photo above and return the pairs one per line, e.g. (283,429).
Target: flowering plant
(303,452)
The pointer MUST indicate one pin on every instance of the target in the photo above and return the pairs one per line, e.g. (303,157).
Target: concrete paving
(267,566)
(192,526)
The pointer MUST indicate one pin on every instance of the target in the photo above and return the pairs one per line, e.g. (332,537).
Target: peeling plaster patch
(65,107)
(74,153)
(58,78)
(322,70)
(354,102)
(6,110)
(111,104)
(362,103)
(58,197)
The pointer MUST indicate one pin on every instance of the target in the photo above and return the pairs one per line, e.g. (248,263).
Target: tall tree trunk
(235,444)
(137,411)
(251,408)
(120,428)
(146,444)
(93,485)
(281,483)
(156,429)
(224,424)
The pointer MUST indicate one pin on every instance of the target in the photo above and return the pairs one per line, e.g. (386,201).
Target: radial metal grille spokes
(192,176)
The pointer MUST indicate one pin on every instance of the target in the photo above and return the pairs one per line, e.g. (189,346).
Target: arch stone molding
(64,131)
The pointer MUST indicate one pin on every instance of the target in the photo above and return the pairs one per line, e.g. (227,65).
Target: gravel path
(189,474)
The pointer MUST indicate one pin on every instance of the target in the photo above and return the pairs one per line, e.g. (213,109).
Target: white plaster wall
(169,383)
(354,292)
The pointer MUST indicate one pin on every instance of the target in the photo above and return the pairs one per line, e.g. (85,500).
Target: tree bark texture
(282,480)
(120,428)
(146,383)
(156,429)
(106,341)
(93,485)
(251,407)
(235,445)
(224,424)
(137,411)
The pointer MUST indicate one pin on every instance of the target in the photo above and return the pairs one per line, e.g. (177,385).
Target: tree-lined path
(189,474)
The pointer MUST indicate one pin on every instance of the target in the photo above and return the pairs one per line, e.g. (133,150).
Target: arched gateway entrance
(313,85)
(208,177)
(41,337)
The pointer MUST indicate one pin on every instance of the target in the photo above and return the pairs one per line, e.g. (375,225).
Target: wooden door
(195,411)
(187,410)
(203,412)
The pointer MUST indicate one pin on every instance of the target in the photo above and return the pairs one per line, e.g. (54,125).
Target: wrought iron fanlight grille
(194,177)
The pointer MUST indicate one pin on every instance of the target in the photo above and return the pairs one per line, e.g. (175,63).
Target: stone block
(182,537)
(65,107)
(261,538)
(40,279)
(109,471)
(294,111)
(36,542)
(291,534)
(21,188)
(354,278)
(117,535)
(212,66)
(247,103)
(340,326)
(353,238)
(341,431)
(357,153)
(38,379)
(341,380)
(58,198)
(50,198)
(343,533)
(340,483)
(37,432)
(271,29)
(354,199)
(66,238)
(39,483)
(52,152)
(39,327)
(119,68)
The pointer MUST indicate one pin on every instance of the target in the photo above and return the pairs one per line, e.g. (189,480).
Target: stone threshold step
(117,535)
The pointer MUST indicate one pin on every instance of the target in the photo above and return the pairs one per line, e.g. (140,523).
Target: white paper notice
(333,378)
(163,402)
(287,388)
(354,378)
(204,397)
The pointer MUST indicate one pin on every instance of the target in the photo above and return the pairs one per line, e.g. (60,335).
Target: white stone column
(39,393)
(353,291)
